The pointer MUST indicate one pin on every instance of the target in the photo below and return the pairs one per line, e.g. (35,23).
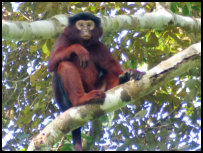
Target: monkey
(83,66)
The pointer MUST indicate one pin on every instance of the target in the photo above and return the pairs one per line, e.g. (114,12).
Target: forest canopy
(140,36)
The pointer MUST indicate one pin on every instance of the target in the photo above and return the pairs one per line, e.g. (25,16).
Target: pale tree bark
(46,29)
(118,97)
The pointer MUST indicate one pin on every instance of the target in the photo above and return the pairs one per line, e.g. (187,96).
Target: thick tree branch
(118,97)
(46,29)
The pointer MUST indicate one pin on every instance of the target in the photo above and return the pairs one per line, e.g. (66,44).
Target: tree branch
(118,97)
(46,29)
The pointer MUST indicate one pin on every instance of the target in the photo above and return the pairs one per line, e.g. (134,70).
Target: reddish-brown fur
(81,84)
(83,70)
(78,81)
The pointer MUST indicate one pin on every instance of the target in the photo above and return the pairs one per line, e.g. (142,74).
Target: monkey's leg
(72,82)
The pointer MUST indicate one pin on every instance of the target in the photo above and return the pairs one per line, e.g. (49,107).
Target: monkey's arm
(64,53)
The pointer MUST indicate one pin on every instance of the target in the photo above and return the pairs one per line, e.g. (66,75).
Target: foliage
(167,119)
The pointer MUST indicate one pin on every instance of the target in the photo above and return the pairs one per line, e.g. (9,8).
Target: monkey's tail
(64,103)
(76,134)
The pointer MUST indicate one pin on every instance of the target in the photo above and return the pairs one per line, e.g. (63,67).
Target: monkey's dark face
(85,27)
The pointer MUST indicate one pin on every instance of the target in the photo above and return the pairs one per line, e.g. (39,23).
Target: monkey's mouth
(86,37)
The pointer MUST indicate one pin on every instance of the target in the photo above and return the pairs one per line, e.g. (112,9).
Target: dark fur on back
(84,16)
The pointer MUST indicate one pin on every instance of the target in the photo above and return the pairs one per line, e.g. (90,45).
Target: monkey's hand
(129,75)
(82,54)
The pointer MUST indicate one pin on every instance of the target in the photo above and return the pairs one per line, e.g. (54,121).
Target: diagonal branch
(118,97)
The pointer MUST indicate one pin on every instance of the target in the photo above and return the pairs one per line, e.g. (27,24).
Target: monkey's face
(85,27)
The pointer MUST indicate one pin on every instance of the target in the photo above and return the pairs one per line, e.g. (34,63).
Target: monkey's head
(86,23)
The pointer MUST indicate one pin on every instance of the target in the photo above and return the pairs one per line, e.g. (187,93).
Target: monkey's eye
(90,25)
(80,24)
